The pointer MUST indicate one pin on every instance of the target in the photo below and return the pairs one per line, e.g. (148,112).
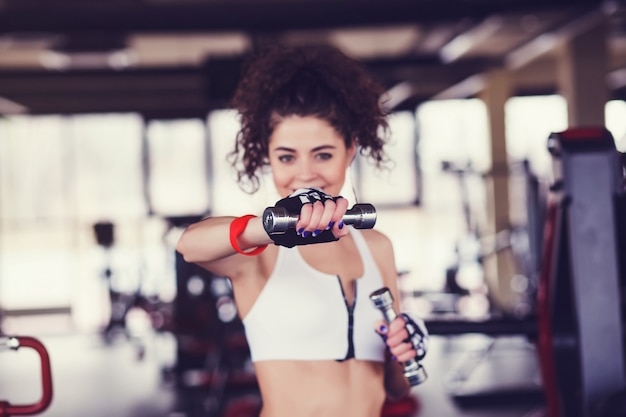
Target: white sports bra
(302,314)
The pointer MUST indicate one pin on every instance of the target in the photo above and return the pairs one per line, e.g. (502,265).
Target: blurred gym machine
(500,366)
(211,355)
(581,294)
(520,242)
(122,302)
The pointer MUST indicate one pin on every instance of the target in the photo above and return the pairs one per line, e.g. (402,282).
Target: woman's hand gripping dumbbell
(280,221)
(277,220)
(417,335)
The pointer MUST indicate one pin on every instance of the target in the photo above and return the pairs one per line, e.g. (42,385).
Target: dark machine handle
(277,220)
(14,343)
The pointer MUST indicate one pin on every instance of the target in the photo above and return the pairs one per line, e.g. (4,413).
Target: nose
(306,170)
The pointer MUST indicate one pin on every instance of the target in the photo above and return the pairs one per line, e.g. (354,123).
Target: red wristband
(237,227)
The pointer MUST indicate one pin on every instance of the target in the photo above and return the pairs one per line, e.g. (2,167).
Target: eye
(324,156)
(285,158)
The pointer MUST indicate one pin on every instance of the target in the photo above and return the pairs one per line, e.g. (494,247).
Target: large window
(58,176)
(616,122)
(177,173)
(228,197)
(400,183)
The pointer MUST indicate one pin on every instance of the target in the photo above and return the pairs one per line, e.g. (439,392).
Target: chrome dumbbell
(277,220)
(383,300)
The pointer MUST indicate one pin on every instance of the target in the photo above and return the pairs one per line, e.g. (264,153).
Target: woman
(304,296)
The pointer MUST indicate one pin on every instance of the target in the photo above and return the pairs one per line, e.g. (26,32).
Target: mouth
(297,190)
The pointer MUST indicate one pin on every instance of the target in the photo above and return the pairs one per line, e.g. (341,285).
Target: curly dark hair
(316,81)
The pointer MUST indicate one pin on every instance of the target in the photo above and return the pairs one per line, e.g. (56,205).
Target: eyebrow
(317,149)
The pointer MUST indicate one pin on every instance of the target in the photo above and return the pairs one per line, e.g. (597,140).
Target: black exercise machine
(580,303)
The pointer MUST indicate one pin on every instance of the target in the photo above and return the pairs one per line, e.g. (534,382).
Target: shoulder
(382,251)
(381,248)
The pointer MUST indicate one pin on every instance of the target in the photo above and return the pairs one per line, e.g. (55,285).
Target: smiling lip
(307,186)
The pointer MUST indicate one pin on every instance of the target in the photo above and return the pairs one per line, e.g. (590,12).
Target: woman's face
(308,152)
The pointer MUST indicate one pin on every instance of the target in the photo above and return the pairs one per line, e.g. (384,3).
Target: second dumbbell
(277,220)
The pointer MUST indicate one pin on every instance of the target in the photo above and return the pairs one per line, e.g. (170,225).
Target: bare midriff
(328,388)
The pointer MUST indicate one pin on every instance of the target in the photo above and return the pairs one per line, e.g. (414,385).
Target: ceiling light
(371,42)
(88,60)
(464,43)
(469,87)
(397,94)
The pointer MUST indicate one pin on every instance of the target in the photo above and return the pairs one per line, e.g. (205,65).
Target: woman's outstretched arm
(207,243)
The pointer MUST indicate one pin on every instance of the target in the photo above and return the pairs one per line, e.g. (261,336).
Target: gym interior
(505,202)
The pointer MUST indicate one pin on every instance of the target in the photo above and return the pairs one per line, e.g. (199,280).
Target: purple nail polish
(306,233)
(341,224)
(316,232)
(300,230)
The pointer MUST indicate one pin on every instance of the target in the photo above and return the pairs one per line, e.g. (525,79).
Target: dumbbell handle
(277,220)
(383,300)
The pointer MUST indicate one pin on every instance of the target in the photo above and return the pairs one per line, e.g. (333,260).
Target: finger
(316,215)
(341,206)
(305,217)
(405,356)
(397,331)
(397,337)
(398,324)
(399,349)
(381,328)
(327,215)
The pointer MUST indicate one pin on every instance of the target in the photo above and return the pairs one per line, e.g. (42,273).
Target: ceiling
(181,58)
